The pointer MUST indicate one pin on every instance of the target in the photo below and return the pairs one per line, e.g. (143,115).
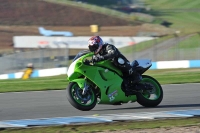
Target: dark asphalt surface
(47,104)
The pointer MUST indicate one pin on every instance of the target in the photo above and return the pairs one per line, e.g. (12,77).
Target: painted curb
(98,118)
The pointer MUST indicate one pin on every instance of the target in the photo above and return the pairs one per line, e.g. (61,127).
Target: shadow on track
(160,106)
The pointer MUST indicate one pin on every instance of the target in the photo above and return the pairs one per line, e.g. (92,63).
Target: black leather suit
(109,51)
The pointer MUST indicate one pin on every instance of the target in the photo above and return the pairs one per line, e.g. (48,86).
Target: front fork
(82,83)
(86,88)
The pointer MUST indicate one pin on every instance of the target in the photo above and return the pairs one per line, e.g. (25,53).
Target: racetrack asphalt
(48,104)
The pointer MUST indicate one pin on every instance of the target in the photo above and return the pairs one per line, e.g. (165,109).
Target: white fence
(79,42)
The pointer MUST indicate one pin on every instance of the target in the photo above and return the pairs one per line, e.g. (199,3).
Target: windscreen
(81,53)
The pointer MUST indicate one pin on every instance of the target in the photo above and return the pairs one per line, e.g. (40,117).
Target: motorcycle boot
(131,77)
(131,82)
(139,86)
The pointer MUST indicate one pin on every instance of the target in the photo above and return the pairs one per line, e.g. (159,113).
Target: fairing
(103,74)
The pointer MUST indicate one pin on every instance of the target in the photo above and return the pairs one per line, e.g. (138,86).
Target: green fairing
(80,82)
(106,76)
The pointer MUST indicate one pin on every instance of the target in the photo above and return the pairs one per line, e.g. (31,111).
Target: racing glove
(98,58)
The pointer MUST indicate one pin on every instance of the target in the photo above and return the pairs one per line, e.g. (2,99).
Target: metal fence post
(155,49)
(41,57)
(67,52)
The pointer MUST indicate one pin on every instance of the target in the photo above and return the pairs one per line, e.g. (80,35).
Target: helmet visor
(93,48)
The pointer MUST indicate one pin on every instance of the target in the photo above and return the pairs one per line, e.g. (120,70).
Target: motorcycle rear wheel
(154,98)
(82,102)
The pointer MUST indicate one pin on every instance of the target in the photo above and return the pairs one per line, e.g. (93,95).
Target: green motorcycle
(102,83)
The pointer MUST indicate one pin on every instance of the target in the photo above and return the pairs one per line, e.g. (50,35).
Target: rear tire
(144,98)
(76,99)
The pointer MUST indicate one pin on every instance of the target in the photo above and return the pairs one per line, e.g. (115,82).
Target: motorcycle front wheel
(150,98)
(82,102)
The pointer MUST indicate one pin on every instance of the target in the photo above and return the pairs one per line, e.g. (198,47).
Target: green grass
(168,76)
(34,84)
(94,8)
(117,126)
(188,49)
(144,45)
(183,14)
(171,4)
(191,42)
(186,22)
(176,76)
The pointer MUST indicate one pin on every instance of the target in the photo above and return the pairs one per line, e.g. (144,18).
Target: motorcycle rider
(105,51)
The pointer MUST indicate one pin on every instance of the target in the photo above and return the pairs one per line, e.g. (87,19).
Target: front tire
(154,98)
(82,102)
